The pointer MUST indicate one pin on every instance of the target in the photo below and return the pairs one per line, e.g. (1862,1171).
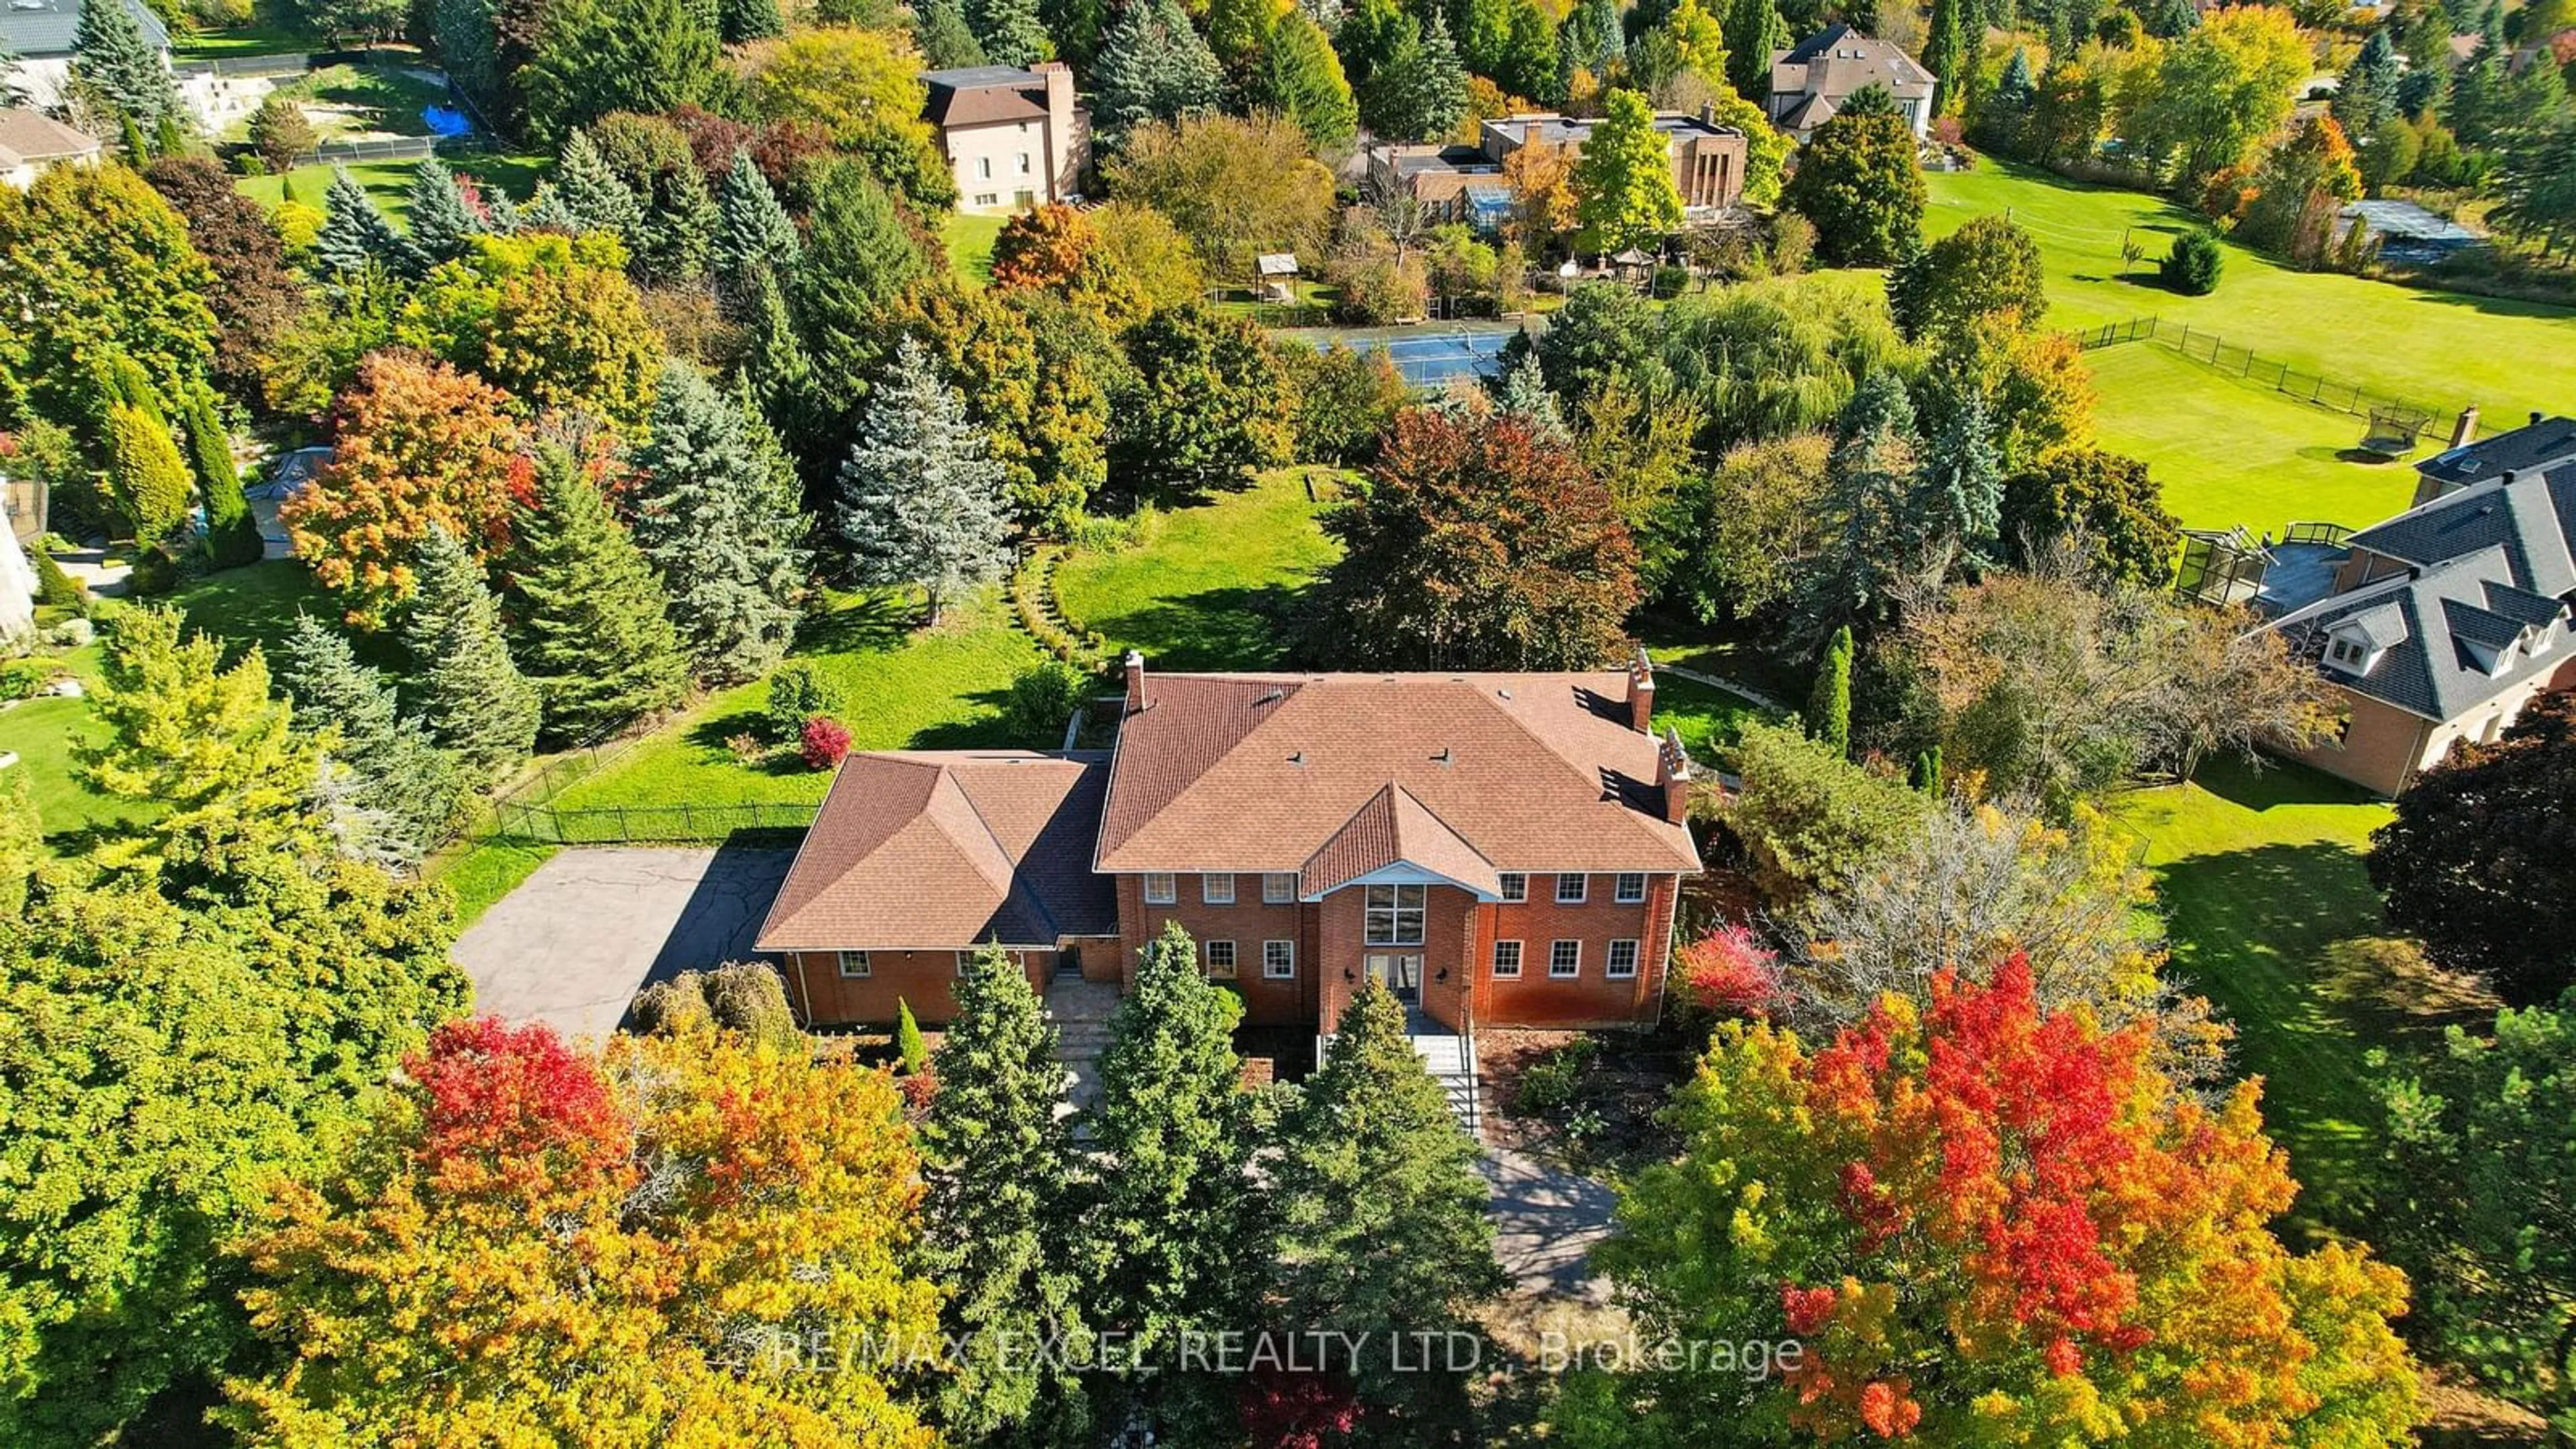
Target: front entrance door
(1401,974)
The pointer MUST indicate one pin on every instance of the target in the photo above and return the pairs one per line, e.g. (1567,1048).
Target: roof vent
(1273,697)
(1297,758)
(1446,756)
(1502,694)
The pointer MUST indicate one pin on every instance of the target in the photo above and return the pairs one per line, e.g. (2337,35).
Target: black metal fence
(644,824)
(2232,360)
(2136,329)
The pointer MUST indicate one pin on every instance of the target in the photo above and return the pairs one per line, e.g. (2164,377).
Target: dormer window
(2347,654)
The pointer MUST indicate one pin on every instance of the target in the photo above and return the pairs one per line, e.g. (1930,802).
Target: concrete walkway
(1545,1223)
(592,927)
(1079,1011)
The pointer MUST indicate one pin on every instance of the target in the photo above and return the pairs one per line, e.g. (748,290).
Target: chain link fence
(2230,359)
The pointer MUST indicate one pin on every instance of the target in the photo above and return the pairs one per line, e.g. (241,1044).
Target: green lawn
(345,101)
(239,42)
(2441,348)
(898,687)
(480,877)
(2261,877)
(2230,452)
(1206,587)
(970,245)
(389,182)
(43,734)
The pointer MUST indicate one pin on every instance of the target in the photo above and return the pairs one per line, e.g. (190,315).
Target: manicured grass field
(43,733)
(239,42)
(389,182)
(2229,452)
(1206,587)
(2437,347)
(970,245)
(2260,876)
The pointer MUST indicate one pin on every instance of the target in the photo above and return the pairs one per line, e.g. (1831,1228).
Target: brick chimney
(1641,693)
(2465,431)
(1708,113)
(1135,681)
(1060,161)
(1673,776)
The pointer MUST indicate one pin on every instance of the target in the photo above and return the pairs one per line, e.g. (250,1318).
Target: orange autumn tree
(419,443)
(1982,1223)
(691,1240)
(1046,247)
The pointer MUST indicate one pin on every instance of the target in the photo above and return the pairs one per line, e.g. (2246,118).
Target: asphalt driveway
(592,927)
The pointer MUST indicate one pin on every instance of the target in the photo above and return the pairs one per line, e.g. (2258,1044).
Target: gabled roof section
(2436,631)
(2544,440)
(1258,772)
(2525,518)
(983,94)
(1838,61)
(948,849)
(1395,829)
(40,29)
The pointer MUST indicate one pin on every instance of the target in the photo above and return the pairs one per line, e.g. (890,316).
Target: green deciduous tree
(998,1214)
(470,694)
(1623,182)
(920,499)
(1987,268)
(280,132)
(715,511)
(549,319)
(2219,91)
(1203,408)
(94,264)
(2105,500)
(1235,186)
(594,634)
(1860,182)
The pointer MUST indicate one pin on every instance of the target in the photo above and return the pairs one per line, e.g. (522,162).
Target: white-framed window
(1515,886)
(1565,958)
(1621,963)
(983,168)
(2345,651)
(1217,890)
(854,965)
(1161,888)
(964,960)
(1278,960)
(1507,960)
(1570,889)
(1279,888)
(1629,887)
(988,198)
(1220,960)
(1394,915)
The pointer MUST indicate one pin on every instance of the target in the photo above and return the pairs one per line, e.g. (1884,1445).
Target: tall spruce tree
(859,261)
(595,196)
(1301,78)
(594,635)
(716,514)
(113,62)
(2367,93)
(1961,500)
(1153,65)
(407,788)
(921,500)
(355,235)
(940,31)
(1949,53)
(752,228)
(1418,90)
(443,223)
(998,1215)
(1379,1218)
(1828,713)
(1165,1234)
(469,692)
(232,534)
(1870,481)
(1008,31)
(781,379)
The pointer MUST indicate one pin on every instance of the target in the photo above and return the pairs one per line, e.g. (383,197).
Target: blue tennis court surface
(1431,359)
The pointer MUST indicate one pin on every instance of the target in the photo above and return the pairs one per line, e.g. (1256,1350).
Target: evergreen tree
(1961,499)
(1524,395)
(1950,53)
(779,375)
(1008,31)
(1301,78)
(407,788)
(470,694)
(1528,64)
(716,513)
(859,261)
(130,141)
(1164,1232)
(232,534)
(595,637)
(12,94)
(1418,91)
(443,223)
(1591,40)
(2367,93)
(147,480)
(1828,716)
(1152,66)
(1926,774)
(752,229)
(1380,1227)
(997,1161)
(1869,483)
(546,211)
(680,227)
(2003,120)
(595,196)
(921,500)
(1623,180)
(112,62)
(738,21)
(1754,33)
(355,235)
(940,31)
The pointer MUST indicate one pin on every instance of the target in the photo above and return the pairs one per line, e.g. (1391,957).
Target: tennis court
(1428,360)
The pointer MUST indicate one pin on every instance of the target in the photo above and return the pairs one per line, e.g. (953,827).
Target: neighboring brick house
(1506,847)
(1015,138)
(2443,622)
(1810,81)
(1465,183)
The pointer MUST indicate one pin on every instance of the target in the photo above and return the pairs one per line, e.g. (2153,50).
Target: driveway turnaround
(593,927)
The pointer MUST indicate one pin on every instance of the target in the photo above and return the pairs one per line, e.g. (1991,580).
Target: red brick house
(1505,848)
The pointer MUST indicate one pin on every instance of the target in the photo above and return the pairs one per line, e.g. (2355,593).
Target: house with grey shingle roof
(2445,621)
(1811,80)
(40,33)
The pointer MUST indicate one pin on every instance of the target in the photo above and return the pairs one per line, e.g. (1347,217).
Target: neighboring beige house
(1811,80)
(1015,138)
(40,32)
(2443,622)
(1465,183)
(31,142)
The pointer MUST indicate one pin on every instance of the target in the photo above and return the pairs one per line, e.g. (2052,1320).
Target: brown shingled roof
(1393,828)
(1509,772)
(932,849)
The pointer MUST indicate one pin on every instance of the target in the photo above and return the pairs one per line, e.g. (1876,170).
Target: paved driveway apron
(591,928)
